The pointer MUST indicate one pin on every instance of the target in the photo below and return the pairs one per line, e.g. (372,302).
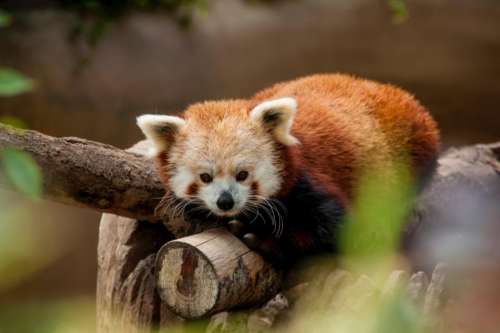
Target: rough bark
(213,271)
(264,318)
(126,288)
(89,174)
(461,199)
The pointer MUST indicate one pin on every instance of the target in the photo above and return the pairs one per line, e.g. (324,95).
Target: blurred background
(95,70)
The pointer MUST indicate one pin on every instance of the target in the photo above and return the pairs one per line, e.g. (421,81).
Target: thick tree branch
(89,174)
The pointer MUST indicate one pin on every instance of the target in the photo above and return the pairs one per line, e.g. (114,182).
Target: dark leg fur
(310,225)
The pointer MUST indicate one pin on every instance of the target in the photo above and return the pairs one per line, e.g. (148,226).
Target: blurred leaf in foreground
(22,171)
(374,225)
(13,83)
(4,18)
(399,10)
(13,121)
(75,315)
(397,314)
(20,255)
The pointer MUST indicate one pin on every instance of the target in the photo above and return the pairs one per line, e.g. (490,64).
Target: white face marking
(268,177)
(264,173)
(180,180)
(211,192)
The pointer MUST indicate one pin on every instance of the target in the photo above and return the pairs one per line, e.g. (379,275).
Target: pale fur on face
(222,139)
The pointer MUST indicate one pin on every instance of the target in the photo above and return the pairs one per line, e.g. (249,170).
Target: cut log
(212,271)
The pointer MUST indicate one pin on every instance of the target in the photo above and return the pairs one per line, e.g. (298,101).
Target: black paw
(236,228)
(267,246)
(252,241)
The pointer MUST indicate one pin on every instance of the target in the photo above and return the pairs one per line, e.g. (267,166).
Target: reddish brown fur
(347,125)
(192,189)
(255,188)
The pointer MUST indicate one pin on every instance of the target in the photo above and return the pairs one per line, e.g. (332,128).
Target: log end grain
(212,271)
(186,280)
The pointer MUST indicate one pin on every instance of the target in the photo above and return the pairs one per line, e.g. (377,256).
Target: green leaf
(5,18)
(96,32)
(22,171)
(399,10)
(373,226)
(13,121)
(13,83)
(398,315)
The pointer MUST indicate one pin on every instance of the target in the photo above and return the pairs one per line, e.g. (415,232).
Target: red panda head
(223,155)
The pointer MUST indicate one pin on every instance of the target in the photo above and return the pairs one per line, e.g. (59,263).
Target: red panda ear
(277,116)
(160,130)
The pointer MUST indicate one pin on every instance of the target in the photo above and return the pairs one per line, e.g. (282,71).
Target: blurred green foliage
(399,10)
(13,83)
(17,166)
(398,315)
(374,224)
(4,18)
(22,172)
(75,316)
(13,121)
(22,251)
(115,8)
(95,16)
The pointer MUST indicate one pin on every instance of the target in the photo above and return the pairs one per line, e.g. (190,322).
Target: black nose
(225,201)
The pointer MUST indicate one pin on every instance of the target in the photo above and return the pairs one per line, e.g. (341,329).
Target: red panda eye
(206,178)
(241,176)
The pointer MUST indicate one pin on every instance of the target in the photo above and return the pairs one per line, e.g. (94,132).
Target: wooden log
(212,271)
(433,298)
(227,322)
(126,296)
(397,282)
(90,174)
(263,319)
(417,287)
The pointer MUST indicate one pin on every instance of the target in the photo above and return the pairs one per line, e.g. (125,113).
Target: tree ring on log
(186,280)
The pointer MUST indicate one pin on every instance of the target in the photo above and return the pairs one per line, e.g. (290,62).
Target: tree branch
(89,174)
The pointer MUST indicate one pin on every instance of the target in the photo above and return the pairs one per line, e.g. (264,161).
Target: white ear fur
(160,130)
(277,115)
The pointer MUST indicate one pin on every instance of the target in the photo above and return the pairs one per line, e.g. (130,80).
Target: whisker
(275,210)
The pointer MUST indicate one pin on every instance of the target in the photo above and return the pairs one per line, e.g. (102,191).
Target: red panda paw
(236,227)
(268,248)
(252,241)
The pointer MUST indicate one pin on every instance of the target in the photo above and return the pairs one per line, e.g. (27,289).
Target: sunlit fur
(333,127)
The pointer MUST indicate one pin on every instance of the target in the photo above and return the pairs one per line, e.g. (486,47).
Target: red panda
(286,162)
